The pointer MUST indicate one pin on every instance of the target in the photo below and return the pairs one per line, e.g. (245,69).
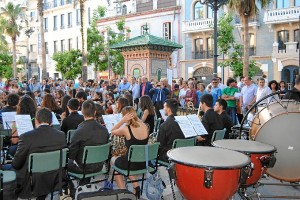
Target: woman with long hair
(50,103)
(148,110)
(99,113)
(26,106)
(136,133)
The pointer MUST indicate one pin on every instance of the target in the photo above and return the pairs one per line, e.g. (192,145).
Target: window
(118,8)
(199,54)
(210,12)
(46,47)
(62,2)
(124,10)
(198,10)
(77,16)
(56,76)
(77,43)
(62,21)
(252,44)
(296,37)
(89,15)
(144,29)
(32,14)
(31,48)
(70,44)
(55,23)
(210,47)
(282,4)
(55,3)
(282,37)
(167,31)
(70,20)
(297,3)
(46,24)
(62,45)
(55,46)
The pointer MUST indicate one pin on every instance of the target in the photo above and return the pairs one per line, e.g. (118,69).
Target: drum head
(282,131)
(245,146)
(211,157)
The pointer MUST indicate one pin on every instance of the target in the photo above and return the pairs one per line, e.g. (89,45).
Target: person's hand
(200,139)
(127,118)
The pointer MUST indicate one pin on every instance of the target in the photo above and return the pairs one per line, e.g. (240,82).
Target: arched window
(136,73)
(282,37)
(199,54)
(124,10)
(198,10)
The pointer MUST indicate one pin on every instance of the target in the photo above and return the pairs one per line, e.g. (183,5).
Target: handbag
(154,185)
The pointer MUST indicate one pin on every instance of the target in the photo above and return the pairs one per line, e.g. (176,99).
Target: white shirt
(182,94)
(261,93)
(135,91)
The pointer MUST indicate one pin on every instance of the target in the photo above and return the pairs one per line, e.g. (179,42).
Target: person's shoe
(137,192)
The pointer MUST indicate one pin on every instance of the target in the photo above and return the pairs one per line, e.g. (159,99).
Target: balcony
(284,15)
(200,25)
(56,3)
(203,54)
(287,49)
(253,22)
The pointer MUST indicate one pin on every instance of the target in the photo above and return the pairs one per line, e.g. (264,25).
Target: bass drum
(277,124)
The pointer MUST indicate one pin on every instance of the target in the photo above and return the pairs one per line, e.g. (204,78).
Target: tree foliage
(6,61)
(226,42)
(68,63)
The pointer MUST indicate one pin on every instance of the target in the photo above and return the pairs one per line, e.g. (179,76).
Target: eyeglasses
(214,82)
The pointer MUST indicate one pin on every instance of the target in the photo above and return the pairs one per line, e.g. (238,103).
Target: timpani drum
(277,124)
(208,172)
(262,156)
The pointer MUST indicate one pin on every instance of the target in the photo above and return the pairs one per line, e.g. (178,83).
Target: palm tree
(246,10)
(40,8)
(83,30)
(9,25)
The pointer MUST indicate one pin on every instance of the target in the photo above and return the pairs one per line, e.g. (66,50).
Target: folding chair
(5,178)
(70,135)
(46,162)
(218,135)
(136,153)
(92,155)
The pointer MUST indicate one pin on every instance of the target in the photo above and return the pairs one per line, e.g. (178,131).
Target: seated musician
(136,133)
(42,139)
(74,119)
(169,130)
(12,102)
(210,120)
(148,110)
(220,108)
(295,93)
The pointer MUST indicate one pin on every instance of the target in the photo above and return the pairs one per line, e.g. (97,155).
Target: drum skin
(279,127)
(190,181)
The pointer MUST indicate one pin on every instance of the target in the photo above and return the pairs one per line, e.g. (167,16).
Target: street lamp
(28,32)
(215,5)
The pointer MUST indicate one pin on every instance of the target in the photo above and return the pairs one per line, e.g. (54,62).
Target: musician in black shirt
(220,108)
(295,93)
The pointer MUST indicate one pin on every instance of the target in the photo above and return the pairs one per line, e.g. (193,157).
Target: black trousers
(158,106)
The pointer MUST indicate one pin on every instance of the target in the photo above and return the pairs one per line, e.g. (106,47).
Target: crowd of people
(80,106)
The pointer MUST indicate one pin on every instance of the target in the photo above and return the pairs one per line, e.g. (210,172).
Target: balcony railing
(203,54)
(198,25)
(56,3)
(282,15)
(254,21)
(288,48)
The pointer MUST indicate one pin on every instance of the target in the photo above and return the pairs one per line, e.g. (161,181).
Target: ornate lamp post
(215,5)
(28,32)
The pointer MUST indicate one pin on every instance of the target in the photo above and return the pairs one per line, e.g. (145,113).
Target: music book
(54,120)
(7,119)
(111,120)
(191,125)
(23,124)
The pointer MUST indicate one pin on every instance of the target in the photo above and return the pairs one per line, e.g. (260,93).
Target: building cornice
(137,14)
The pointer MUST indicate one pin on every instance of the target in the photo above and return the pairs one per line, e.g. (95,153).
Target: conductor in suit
(169,130)
(42,139)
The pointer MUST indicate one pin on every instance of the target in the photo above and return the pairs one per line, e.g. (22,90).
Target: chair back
(137,152)
(47,161)
(157,124)
(96,154)
(218,135)
(183,143)
(70,135)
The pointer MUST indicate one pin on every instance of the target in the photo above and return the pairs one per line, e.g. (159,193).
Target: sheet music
(23,124)
(197,124)
(163,115)
(54,119)
(191,125)
(111,120)
(79,112)
(7,119)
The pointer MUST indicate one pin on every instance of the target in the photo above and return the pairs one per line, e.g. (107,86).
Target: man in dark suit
(220,108)
(74,119)
(210,120)
(88,133)
(159,95)
(42,139)
(169,130)
(145,87)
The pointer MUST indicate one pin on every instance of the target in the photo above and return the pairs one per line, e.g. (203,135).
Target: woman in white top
(182,93)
